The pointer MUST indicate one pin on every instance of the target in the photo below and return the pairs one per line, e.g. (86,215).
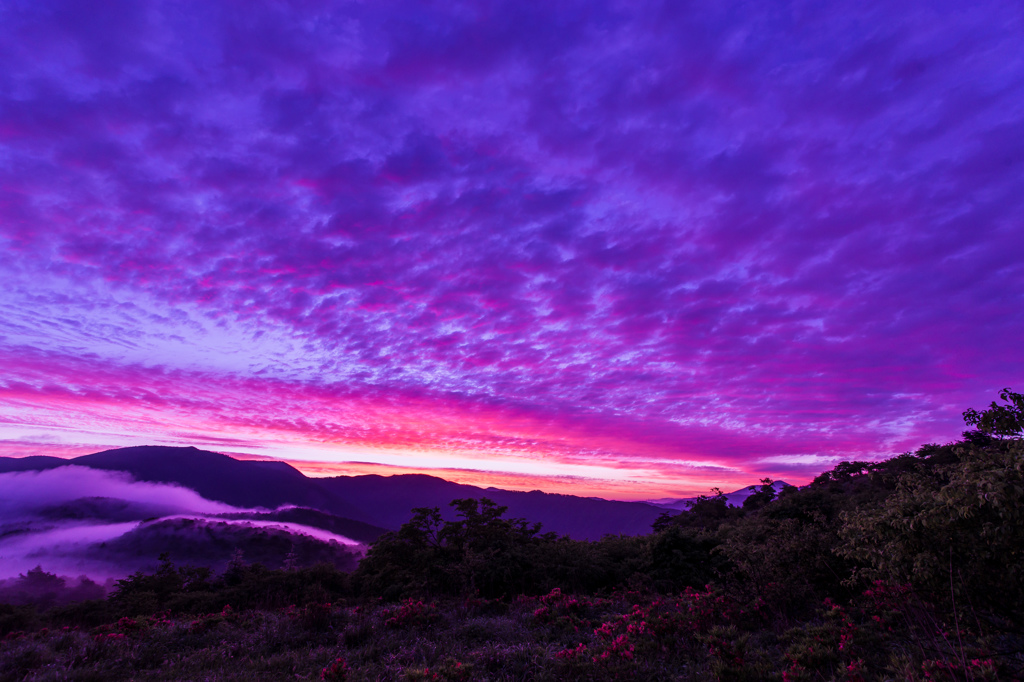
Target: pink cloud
(758,240)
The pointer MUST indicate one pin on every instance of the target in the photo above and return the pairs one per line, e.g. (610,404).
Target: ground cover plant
(907,569)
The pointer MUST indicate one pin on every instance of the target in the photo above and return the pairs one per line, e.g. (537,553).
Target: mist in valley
(70,533)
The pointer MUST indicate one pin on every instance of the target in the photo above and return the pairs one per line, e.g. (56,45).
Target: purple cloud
(656,231)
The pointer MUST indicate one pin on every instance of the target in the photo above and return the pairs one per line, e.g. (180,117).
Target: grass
(693,636)
(460,640)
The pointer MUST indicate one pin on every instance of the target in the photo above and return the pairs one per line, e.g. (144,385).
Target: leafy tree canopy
(999,420)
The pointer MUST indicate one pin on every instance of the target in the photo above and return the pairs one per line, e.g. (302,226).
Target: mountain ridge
(733,499)
(382,501)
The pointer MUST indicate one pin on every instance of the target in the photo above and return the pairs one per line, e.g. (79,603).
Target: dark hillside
(218,477)
(33,463)
(391,499)
(356,530)
(378,501)
(581,518)
(213,543)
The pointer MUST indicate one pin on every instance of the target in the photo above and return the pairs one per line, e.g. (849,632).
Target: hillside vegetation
(907,569)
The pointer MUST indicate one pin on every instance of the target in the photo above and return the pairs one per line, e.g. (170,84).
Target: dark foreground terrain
(624,636)
(908,569)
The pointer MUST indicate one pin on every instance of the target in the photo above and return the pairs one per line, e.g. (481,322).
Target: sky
(622,249)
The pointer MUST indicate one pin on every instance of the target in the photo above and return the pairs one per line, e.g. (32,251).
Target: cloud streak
(29,492)
(636,235)
(63,518)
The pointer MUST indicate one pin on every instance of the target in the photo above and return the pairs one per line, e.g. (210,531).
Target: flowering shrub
(624,636)
(620,646)
(943,670)
(580,650)
(336,671)
(212,620)
(411,613)
(316,616)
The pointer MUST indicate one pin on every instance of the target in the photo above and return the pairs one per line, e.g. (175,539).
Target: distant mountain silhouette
(33,463)
(375,501)
(241,483)
(733,499)
(391,499)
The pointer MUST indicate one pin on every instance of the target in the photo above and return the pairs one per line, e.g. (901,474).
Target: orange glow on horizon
(562,485)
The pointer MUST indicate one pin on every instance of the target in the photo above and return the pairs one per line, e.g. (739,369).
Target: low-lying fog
(75,521)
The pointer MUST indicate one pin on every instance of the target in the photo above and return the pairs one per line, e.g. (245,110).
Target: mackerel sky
(629,249)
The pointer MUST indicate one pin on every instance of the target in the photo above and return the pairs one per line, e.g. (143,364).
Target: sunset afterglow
(627,250)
